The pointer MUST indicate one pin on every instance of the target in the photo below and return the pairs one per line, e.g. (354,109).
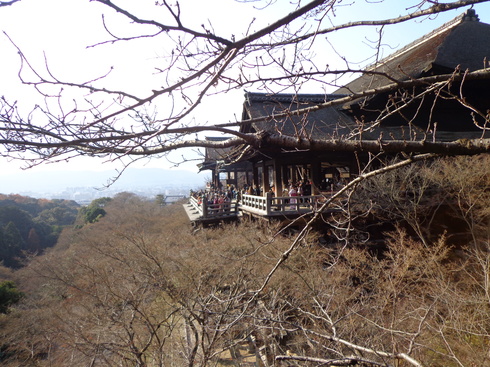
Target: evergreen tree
(9,295)
(94,211)
(160,199)
(12,243)
(3,248)
(22,220)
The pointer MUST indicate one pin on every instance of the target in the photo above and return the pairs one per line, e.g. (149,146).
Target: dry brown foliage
(140,288)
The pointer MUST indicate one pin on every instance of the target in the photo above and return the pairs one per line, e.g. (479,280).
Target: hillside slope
(140,288)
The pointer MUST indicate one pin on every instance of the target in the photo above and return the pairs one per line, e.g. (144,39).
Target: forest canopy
(29,225)
(139,287)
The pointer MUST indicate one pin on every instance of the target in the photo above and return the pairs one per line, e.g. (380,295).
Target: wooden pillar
(215,179)
(278,178)
(284,169)
(255,175)
(306,173)
(315,176)
(265,178)
(268,202)
(235,178)
(249,176)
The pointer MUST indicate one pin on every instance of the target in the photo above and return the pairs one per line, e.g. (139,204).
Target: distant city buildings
(84,187)
(85,195)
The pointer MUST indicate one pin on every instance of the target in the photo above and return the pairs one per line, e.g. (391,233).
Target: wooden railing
(209,211)
(196,205)
(260,205)
(269,205)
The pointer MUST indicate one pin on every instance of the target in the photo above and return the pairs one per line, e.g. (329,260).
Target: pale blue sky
(62,30)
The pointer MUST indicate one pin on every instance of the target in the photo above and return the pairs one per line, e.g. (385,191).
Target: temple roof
(327,122)
(463,42)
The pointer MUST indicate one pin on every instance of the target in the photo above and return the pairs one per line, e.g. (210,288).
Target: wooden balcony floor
(257,206)
(196,218)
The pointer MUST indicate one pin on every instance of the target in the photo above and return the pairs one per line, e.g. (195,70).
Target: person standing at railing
(212,200)
(293,193)
(220,200)
(299,189)
(306,186)
(226,204)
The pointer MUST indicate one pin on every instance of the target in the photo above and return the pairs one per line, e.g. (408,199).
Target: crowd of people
(220,199)
(225,194)
(221,195)
(300,188)
(215,198)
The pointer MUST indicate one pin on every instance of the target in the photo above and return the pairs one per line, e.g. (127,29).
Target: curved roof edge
(251,97)
(468,16)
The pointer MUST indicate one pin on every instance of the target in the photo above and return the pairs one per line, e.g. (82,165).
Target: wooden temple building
(460,45)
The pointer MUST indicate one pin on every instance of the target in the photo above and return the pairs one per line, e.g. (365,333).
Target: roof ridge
(290,97)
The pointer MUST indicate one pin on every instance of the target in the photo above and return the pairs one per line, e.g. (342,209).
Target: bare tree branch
(7,3)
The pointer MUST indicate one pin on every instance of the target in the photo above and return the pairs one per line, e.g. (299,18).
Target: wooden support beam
(278,178)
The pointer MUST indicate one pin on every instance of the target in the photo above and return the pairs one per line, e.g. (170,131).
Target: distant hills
(139,180)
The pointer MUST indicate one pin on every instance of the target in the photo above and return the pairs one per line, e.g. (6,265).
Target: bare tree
(135,289)
(339,306)
(199,63)
(7,3)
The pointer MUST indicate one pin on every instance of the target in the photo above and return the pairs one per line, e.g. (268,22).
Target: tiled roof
(327,122)
(463,42)
(216,154)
